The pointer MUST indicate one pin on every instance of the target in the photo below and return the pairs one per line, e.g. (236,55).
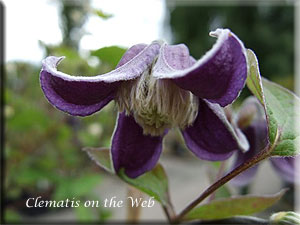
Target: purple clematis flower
(252,121)
(157,87)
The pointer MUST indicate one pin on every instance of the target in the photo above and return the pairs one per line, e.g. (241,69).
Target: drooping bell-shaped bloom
(252,122)
(157,87)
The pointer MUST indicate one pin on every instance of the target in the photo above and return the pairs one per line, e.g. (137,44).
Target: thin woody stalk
(265,153)
(170,213)
(169,210)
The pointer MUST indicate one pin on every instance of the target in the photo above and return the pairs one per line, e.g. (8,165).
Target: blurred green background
(43,154)
(42,144)
(267,29)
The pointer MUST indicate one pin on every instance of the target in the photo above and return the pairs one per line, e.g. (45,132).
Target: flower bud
(285,218)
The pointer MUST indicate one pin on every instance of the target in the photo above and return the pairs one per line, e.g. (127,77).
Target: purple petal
(285,167)
(218,76)
(172,58)
(131,53)
(82,96)
(89,97)
(132,150)
(212,137)
(257,138)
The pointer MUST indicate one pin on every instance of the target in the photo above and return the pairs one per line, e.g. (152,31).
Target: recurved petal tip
(219,76)
(51,62)
(78,96)
(84,95)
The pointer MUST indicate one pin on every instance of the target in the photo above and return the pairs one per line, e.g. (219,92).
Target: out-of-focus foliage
(110,55)
(43,145)
(267,29)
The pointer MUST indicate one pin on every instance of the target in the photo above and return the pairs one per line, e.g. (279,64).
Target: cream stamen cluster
(157,104)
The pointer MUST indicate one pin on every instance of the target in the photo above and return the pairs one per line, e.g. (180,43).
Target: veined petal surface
(132,150)
(212,137)
(83,95)
(218,76)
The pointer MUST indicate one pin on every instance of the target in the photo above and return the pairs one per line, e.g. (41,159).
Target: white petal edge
(162,70)
(130,70)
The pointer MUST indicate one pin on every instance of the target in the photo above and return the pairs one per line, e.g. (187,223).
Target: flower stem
(170,213)
(265,153)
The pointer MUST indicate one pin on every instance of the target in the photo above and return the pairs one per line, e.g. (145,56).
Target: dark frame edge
(2,129)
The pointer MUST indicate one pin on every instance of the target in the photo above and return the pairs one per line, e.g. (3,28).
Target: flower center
(157,104)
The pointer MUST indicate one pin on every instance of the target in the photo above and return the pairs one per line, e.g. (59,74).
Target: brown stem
(170,213)
(265,153)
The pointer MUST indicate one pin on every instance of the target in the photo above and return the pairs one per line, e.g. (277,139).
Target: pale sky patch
(133,21)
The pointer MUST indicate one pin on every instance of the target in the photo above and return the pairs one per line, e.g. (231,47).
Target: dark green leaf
(281,107)
(110,55)
(234,206)
(153,183)
(101,156)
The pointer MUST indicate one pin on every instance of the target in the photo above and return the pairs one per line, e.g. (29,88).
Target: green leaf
(153,183)
(101,156)
(253,78)
(102,14)
(110,55)
(281,107)
(234,206)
